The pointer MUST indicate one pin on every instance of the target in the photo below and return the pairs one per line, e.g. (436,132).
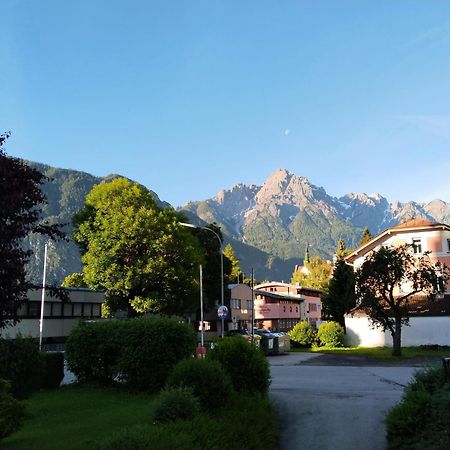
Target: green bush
(422,418)
(206,378)
(248,423)
(93,350)
(302,335)
(22,364)
(53,369)
(174,404)
(331,334)
(429,379)
(151,349)
(11,411)
(245,364)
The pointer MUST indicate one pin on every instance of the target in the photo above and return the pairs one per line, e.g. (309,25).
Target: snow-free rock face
(288,212)
(439,210)
(364,210)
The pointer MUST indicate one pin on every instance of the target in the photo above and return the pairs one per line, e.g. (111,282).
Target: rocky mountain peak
(438,209)
(284,187)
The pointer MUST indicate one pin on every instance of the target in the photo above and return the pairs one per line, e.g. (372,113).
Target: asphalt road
(333,407)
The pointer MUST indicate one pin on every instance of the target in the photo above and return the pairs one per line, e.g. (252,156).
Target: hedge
(21,364)
(139,352)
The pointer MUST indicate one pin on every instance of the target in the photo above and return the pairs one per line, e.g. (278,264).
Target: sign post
(222,313)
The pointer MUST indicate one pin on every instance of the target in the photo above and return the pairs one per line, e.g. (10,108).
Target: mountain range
(269,226)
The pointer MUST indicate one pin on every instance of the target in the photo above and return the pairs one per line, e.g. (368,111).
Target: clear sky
(189,97)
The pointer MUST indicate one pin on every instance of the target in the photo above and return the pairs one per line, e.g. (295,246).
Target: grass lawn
(92,418)
(74,417)
(381,353)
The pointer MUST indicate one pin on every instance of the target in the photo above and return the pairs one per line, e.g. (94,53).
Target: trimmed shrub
(151,349)
(245,364)
(22,364)
(53,369)
(422,418)
(11,411)
(93,350)
(302,335)
(331,334)
(174,404)
(208,381)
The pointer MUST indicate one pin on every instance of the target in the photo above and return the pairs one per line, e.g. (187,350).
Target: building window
(235,303)
(448,245)
(417,245)
(312,307)
(34,309)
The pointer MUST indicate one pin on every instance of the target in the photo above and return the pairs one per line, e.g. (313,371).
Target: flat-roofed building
(59,317)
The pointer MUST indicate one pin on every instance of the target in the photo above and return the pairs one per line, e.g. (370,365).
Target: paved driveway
(333,407)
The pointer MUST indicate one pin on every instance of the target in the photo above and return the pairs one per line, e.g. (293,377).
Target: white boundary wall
(422,331)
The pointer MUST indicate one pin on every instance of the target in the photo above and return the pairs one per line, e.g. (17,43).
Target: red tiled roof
(415,222)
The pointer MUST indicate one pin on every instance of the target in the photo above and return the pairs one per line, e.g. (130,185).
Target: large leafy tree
(389,278)
(233,276)
(21,199)
(137,252)
(316,276)
(340,298)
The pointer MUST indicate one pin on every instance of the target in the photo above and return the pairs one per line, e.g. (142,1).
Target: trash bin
(276,344)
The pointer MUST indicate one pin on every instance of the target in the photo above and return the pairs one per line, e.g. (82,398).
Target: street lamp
(190,225)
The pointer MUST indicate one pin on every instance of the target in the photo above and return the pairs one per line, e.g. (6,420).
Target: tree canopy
(317,274)
(340,297)
(389,278)
(21,199)
(137,252)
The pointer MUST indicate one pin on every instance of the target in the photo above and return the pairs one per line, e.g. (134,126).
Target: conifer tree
(366,236)
(340,298)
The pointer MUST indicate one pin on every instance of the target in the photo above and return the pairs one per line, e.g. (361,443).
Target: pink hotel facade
(280,306)
(422,234)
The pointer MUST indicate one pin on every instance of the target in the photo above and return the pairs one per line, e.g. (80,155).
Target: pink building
(280,306)
(422,234)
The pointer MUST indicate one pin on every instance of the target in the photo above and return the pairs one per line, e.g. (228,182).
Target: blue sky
(189,97)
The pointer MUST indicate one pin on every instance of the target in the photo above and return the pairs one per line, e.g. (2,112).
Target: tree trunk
(397,338)
(341,322)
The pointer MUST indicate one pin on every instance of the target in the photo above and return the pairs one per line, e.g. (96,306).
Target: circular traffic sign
(222,312)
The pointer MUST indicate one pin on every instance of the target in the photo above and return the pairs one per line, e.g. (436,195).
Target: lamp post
(189,225)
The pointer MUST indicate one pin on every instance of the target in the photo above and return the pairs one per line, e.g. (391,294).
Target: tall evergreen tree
(340,298)
(366,236)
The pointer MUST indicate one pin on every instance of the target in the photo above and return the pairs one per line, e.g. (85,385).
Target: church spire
(306,255)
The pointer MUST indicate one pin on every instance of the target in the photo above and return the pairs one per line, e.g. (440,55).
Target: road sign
(222,312)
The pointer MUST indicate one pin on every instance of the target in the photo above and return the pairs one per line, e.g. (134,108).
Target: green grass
(380,353)
(75,417)
(92,418)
